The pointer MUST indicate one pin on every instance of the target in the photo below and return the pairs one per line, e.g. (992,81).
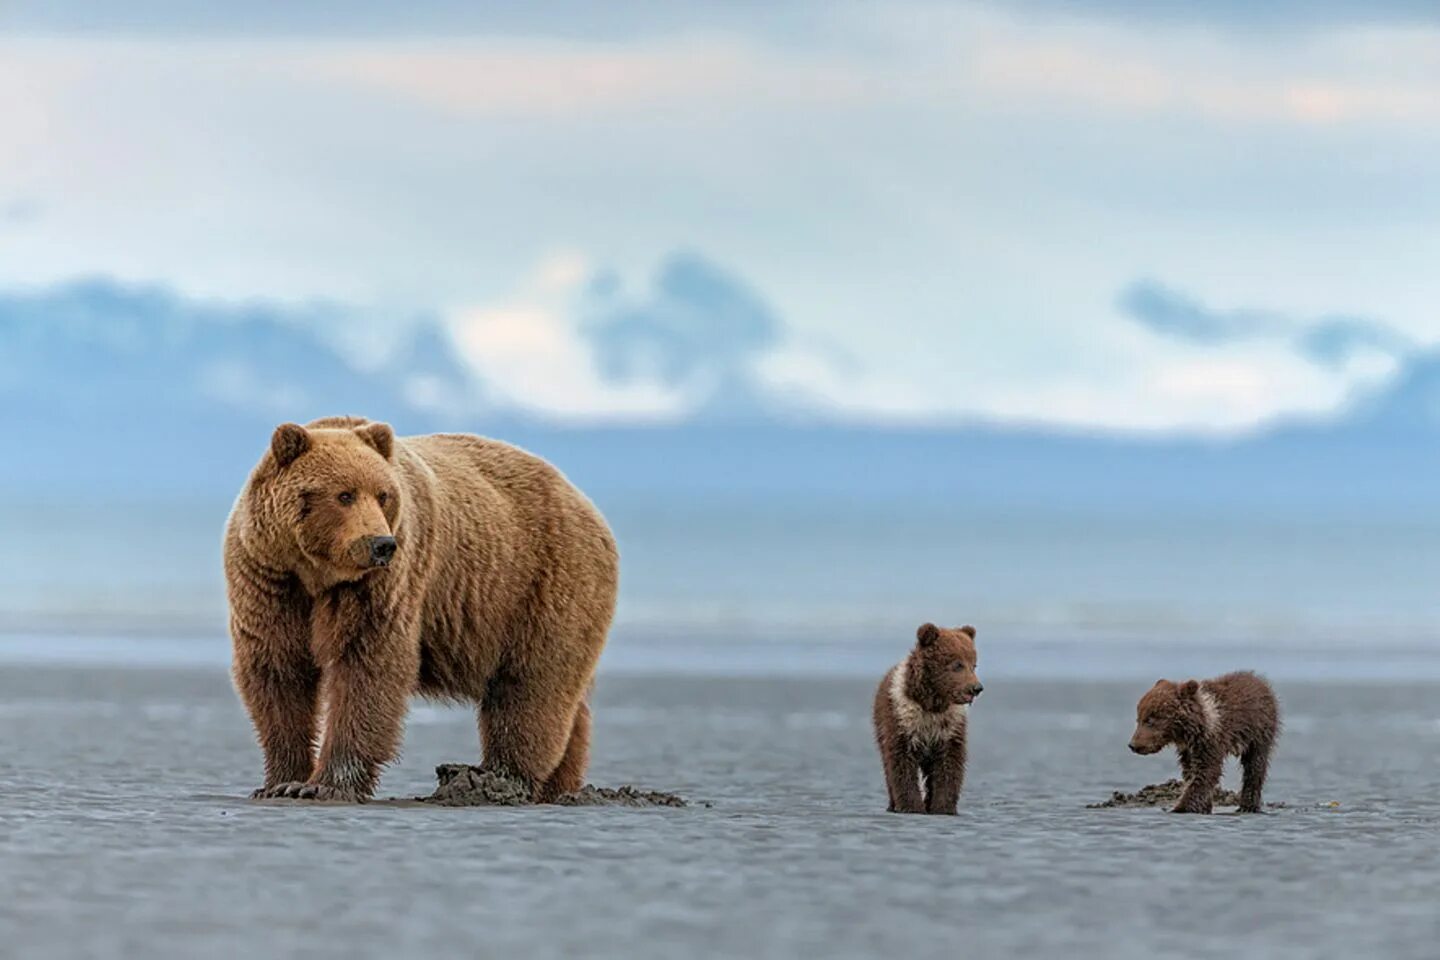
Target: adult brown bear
(363,568)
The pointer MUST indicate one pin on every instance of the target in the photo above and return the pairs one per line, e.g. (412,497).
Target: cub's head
(942,666)
(332,493)
(1162,714)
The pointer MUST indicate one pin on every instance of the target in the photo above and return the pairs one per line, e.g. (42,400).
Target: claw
(297,790)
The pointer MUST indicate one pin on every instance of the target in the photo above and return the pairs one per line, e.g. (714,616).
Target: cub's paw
(1197,808)
(297,790)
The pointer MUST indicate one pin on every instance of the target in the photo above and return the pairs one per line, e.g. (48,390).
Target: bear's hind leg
(1255,762)
(570,775)
(524,732)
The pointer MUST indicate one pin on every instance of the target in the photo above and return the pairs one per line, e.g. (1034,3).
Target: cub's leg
(1202,776)
(902,778)
(946,778)
(1255,762)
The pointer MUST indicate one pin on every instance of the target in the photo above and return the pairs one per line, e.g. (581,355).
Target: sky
(1152,216)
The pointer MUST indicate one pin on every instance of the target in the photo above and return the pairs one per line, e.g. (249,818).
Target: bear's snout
(382,550)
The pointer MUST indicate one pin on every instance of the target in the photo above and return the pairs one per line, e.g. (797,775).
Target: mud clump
(463,785)
(626,796)
(1166,794)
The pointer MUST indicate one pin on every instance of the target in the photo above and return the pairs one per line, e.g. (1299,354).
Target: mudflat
(125,830)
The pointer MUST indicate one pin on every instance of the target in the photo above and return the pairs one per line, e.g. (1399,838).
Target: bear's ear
(1190,687)
(287,443)
(927,634)
(379,436)
(968,631)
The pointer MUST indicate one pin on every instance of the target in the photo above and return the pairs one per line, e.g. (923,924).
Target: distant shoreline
(716,653)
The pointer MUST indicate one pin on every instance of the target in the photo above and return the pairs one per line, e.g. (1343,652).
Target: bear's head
(1166,714)
(332,495)
(942,667)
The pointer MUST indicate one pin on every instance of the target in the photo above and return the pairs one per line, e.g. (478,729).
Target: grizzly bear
(363,568)
(1207,721)
(920,717)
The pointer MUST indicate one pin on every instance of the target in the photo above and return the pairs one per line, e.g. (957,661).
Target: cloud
(637,18)
(1171,313)
(19,212)
(530,352)
(419,18)
(1330,341)
(1371,75)
(576,343)
(1282,15)
(698,329)
(481,78)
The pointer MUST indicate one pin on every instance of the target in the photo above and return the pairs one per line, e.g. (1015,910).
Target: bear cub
(920,710)
(1207,721)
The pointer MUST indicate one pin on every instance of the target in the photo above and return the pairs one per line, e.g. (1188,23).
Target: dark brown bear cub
(1207,721)
(920,720)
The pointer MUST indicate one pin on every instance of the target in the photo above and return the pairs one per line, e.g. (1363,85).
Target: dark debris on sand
(463,785)
(1166,794)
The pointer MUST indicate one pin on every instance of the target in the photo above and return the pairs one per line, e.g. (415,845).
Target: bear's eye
(382,497)
(958,665)
(346,498)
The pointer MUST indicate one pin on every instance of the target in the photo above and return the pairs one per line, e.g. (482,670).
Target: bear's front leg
(273,669)
(1202,776)
(370,660)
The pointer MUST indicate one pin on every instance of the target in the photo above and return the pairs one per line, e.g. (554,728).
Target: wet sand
(125,830)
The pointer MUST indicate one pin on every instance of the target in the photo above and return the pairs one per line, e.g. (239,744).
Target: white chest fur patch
(925,727)
(1209,710)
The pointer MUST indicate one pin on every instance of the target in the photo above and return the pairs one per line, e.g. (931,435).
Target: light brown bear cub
(1207,721)
(363,568)
(920,710)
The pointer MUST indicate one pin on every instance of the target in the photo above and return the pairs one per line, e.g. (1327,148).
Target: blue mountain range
(134,393)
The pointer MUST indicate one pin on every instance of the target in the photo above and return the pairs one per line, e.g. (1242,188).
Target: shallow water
(122,833)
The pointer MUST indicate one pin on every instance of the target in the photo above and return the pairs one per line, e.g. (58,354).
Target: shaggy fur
(499,592)
(1233,715)
(920,716)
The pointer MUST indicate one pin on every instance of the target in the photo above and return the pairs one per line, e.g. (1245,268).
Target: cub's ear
(927,634)
(1190,687)
(968,631)
(379,436)
(287,443)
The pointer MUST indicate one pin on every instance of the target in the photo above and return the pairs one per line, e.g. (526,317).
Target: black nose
(1134,748)
(979,689)
(381,550)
